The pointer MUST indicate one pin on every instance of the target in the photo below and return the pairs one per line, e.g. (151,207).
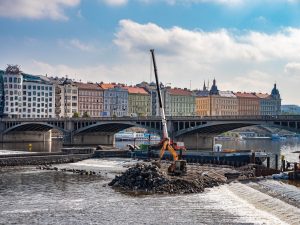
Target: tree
(75,115)
(85,115)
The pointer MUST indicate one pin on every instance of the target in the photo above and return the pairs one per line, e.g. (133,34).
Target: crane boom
(161,106)
(178,167)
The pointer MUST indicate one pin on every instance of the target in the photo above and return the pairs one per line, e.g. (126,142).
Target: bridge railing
(156,118)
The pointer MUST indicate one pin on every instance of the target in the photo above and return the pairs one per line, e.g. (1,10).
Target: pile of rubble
(149,178)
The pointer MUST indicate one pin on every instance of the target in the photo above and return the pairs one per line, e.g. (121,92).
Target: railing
(170,118)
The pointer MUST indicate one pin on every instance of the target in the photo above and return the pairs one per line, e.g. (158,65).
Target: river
(31,196)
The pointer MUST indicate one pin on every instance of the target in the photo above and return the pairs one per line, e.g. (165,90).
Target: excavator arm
(166,145)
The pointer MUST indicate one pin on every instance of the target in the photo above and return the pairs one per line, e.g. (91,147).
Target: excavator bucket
(178,167)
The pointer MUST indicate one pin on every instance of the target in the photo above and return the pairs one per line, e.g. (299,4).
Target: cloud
(214,46)
(115,2)
(76,44)
(292,68)
(94,73)
(240,60)
(81,46)
(230,3)
(36,9)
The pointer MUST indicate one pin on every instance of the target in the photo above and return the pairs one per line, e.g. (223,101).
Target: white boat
(130,136)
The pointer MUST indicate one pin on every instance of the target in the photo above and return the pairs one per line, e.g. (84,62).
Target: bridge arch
(112,127)
(33,126)
(217,127)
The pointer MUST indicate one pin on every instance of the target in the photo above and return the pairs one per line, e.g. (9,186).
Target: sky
(246,45)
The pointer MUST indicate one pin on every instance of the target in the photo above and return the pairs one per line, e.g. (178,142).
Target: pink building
(90,99)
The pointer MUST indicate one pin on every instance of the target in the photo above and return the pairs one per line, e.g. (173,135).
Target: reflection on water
(51,146)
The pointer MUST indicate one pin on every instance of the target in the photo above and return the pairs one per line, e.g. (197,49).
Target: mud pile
(150,178)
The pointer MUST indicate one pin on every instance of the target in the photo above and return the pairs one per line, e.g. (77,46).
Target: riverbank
(40,159)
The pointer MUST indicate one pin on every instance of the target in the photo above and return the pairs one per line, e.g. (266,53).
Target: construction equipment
(178,166)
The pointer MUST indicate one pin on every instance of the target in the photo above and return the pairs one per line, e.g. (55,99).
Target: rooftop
(88,86)
(261,95)
(179,91)
(136,90)
(107,85)
(228,94)
(245,95)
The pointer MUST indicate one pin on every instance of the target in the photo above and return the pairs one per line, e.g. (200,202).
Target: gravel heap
(149,178)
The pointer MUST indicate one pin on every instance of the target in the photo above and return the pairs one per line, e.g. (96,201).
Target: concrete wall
(26,136)
(196,141)
(95,138)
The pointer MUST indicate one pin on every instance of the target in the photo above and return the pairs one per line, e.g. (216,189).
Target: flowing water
(32,196)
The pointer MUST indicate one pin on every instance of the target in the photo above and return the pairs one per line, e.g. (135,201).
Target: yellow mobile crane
(178,166)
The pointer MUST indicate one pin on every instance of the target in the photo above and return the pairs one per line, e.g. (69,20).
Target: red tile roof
(179,91)
(245,95)
(88,86)
(136,90)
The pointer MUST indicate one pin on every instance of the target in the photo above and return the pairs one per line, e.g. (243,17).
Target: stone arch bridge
(196,132)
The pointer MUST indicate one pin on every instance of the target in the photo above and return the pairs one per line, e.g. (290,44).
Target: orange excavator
(178,166)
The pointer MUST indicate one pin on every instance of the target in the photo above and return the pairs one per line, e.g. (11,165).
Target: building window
(10,79)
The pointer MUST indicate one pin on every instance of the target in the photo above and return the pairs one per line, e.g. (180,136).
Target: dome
(275,92)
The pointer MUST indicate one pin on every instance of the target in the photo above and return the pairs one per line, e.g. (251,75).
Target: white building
(66,97)
(27,96)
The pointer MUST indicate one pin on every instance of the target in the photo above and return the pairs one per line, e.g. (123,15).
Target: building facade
(216,103)
(115,100)
(290,110)
(248,104)
(66,97)
(179,102)
(90,99)
(27,96)
(139,101)
(1,94)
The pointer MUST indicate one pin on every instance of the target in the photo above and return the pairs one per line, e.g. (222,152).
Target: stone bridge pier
(197,141)
(26,136)
(94,138)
